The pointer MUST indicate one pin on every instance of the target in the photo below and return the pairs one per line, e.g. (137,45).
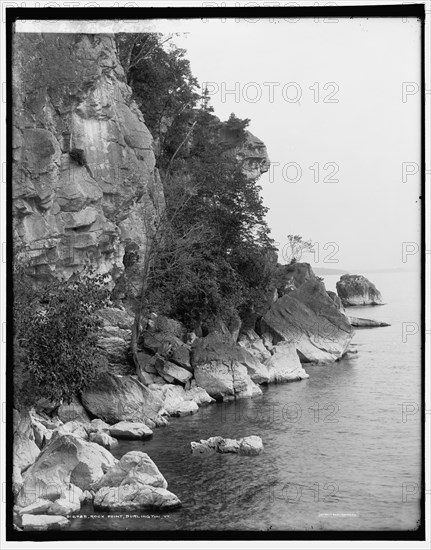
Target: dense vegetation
(55,335)
(215,259)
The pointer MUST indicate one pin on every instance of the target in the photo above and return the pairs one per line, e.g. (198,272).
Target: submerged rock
(249,446)
(357,290)
(366,323)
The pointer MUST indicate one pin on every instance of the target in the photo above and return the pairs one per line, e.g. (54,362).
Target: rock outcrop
(357,290)
(67,460)
(248,446)
(223,368)
(85,186)
(284,364)
(114,398)
(134,484)
(308,318)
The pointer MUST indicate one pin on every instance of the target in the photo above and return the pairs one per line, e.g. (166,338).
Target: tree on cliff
(214,258)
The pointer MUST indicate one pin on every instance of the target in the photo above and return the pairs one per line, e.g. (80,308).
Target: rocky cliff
(85,186)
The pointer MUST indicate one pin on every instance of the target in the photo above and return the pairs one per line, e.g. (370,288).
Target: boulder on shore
(130,430)
(133,467)
(357,290)
(114,398)
(67,459)
(248,446)
(284,365)
(308,318)
(134,484)
(224,369)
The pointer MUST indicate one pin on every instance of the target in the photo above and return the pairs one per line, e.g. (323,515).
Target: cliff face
(85,186)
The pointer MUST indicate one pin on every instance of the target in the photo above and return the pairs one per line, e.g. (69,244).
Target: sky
(340,116)
(337,103)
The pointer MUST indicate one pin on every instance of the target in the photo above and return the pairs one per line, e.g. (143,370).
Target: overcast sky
(340,96)
(353,127)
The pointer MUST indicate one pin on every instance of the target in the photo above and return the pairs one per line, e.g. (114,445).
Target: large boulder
(284,364)
(248,446)
(225,369)
(114,398)
(67,459)
(309,319)
(130,430)
(356,290)
(103,439)
(133,467)
(134,484)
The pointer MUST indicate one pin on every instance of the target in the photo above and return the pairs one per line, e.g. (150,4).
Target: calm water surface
(338,452)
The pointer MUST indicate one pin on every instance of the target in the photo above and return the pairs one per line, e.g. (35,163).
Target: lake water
(342,449)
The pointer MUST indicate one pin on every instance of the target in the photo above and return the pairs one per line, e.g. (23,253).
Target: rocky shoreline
(62,453)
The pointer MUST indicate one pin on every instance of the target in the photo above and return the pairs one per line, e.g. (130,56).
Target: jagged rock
(225,382)
(67,459)
(103,439)
(168,346)
(307,317)
(130,430)
(336,299)
(356,290)
(249,446)
(253,343)
(367,323)
(135,497)
(73,411)
(170,372)
(114,398)
(146,362)
(71,97)
(25,450)
(284,365)
(43,523)
(133,467)
(220,368)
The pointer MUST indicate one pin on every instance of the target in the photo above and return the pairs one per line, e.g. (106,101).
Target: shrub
(55,335)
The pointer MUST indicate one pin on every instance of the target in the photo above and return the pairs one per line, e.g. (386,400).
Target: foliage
(295,248)
(55,334)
